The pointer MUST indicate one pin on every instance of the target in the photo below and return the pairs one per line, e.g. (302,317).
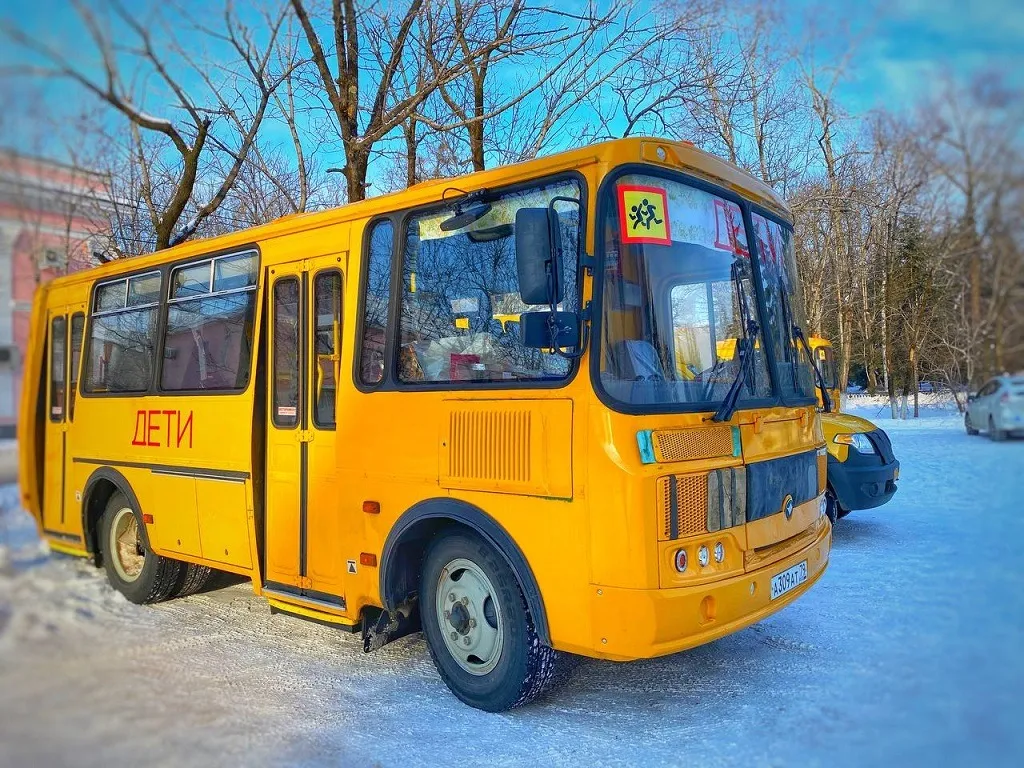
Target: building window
(210,318)
(122,335)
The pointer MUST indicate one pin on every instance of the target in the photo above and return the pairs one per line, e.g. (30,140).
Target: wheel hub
(469,615)
(459,619)
(126,549)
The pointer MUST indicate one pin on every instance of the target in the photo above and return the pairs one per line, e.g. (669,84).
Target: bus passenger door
(55,441)
(61,516)
(303,535)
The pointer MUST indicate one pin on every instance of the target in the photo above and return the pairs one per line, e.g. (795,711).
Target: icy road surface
(910,650)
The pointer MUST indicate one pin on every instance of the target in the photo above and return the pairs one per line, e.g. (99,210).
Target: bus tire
(192,579)
(478,627)
(132,567)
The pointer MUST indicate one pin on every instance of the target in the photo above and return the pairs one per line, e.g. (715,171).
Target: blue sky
(898,50)
(902,49)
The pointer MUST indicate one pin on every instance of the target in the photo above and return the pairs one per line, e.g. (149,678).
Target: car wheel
(831,506)
(996,434)
(478,627)
(968,426)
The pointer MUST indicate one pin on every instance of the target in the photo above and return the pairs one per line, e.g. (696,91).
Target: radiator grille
(687,444)
(691,507)
(490,445)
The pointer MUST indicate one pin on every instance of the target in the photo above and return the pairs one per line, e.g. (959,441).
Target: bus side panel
(32,416)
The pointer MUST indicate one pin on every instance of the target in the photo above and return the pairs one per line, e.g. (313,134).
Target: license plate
(791,578)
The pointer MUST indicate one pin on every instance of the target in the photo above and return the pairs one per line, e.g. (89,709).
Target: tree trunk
(869,352)
(355,173)
(410,152)
(913,379)
(476,128)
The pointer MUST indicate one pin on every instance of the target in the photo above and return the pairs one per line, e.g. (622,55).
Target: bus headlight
(857,440)
(719,552)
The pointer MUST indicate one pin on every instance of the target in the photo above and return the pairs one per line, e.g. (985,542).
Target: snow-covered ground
(909,651)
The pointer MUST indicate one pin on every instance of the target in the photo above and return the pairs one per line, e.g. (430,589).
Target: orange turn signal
(371,507)
(368,558)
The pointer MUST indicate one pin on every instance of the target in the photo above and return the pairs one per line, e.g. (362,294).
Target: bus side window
(58,361)
(77,331)
(327,345)
(376,298)
(121,350)
(287,385)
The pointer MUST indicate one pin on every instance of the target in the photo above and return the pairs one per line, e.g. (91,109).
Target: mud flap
(388,626)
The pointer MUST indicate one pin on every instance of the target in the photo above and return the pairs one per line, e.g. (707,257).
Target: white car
(998,408)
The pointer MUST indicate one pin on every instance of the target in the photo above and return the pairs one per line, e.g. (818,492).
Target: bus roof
(673,154)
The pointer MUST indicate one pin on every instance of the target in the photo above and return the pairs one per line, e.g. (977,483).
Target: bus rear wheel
(132,567)
(478,627)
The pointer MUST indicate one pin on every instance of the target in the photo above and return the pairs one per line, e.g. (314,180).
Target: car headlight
(858,441)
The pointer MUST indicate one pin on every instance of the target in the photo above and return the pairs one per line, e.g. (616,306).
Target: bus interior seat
(637,360)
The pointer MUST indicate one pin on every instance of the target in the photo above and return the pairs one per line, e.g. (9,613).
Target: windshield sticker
(643,215)
(729,233)
(771,246)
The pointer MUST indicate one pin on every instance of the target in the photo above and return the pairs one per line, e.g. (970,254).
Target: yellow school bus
(336,406)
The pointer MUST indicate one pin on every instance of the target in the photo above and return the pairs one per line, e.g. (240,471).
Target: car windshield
(678,300)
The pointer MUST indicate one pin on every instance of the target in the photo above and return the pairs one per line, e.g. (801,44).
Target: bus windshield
(678,299)
(784,307)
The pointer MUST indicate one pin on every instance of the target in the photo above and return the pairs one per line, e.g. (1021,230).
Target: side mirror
(535,330)
(538,249)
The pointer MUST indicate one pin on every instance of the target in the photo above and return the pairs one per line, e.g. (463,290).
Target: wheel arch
(407,542)
(103,483)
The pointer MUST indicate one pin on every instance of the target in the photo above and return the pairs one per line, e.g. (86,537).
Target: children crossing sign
(643,215)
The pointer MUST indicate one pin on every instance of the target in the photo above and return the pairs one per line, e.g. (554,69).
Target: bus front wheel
(478,628)
(132,567)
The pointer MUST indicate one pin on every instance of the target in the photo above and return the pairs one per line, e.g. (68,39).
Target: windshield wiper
(826,400)
(746,353)
(796,334)
(745,347)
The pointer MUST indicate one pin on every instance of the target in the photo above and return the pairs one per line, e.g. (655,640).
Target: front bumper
(641,623)
(860,485)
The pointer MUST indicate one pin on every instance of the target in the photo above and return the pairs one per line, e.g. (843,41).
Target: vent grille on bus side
(490,445)
(689,444)
(691,507)
(514,446)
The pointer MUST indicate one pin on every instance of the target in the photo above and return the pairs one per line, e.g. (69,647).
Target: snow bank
(907,651)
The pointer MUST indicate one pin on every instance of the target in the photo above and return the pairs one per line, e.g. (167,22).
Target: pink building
(52,221)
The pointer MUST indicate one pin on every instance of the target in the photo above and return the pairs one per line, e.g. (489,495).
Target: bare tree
(222,123)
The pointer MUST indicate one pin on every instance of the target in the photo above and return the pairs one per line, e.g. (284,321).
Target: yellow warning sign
(643,215)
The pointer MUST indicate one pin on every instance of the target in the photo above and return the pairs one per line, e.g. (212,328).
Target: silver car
(998,408)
